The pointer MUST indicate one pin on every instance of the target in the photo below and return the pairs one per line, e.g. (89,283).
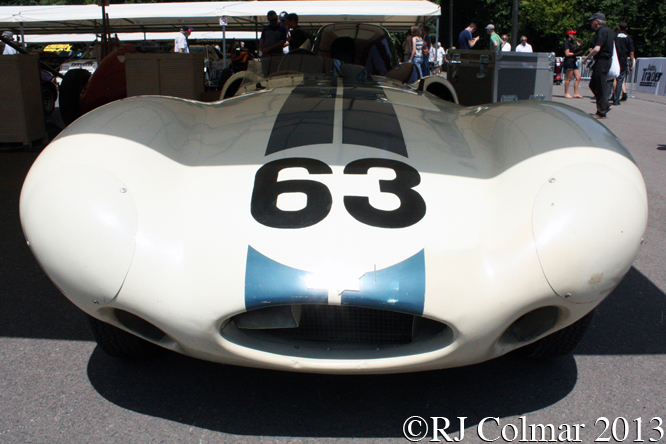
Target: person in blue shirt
(273,36)
(465,39)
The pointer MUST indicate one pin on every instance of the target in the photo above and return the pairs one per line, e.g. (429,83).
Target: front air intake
(331,324)
(344,324)
(138,325)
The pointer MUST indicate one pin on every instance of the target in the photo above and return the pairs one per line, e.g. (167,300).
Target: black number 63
(267,188)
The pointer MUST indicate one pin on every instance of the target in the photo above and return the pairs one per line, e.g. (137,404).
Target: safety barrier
(649,75)
(586,73)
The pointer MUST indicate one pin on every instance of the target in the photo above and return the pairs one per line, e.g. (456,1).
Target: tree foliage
(544,22)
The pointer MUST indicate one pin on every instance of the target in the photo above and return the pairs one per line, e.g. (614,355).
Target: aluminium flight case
(488,76)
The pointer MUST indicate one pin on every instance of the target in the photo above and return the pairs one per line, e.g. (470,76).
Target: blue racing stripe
(306,118)
(268,282)
(400,287)
(369,119)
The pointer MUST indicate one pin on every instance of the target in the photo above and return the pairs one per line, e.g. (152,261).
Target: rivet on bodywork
(568,295)
(123,190)
(95,301)
(642,240)
(551,180)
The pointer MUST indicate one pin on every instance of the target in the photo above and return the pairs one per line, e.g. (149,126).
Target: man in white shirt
(506,46)
(181,44)
(8,49)
(440,58)
(523,46)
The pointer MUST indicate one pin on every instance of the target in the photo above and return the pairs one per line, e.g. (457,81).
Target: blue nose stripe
(268,282)
(400,287)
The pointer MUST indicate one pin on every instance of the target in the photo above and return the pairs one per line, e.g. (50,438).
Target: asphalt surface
(57,387)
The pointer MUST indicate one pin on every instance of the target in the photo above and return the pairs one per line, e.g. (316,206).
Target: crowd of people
(283,34)
(606,91)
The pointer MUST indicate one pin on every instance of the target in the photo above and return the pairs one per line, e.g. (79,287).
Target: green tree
(544,22)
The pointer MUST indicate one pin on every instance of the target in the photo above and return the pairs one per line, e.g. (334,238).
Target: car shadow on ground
(258,402)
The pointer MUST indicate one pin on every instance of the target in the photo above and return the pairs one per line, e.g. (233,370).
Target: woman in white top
(416,56)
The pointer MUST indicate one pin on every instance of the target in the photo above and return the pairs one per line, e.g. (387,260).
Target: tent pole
(22,36)
(224,45)
(514,26)
(450,24)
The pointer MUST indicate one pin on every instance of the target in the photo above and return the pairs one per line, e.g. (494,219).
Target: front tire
(118,343)
(560,343)
(71,87)
(48,99)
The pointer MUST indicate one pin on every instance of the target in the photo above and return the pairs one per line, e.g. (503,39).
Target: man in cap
(284,22)
(571,51)
(8,49)
(602,53)
(181,44)
(495,40)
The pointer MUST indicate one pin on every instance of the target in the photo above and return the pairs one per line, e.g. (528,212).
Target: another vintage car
(49,87)
(85,59)
(335,222)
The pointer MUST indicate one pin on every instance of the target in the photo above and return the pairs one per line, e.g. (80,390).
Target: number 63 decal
(267,188)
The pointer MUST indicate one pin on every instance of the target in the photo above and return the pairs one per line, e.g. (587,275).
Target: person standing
(506,46)
(416,56)
(572,50)
(297,36)
(181,44)
(8,49)
(465,39)
(283,21)
(440,58)
(523,46)
(428,53)
(495,40)
(624,46)
(602,53)
(273,36)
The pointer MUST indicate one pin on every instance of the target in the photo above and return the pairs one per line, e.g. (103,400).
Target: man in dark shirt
(297,36)
(602,52)
(465,39)
(273,36)
(625,49)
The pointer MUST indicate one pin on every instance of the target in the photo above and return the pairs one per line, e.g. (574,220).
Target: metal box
(488,76)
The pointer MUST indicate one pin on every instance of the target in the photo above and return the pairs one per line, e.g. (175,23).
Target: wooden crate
(165,74)
(21,107)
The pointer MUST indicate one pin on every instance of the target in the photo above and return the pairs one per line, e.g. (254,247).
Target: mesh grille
(343,324)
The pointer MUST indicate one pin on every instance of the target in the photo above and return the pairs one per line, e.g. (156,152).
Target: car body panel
(387,198)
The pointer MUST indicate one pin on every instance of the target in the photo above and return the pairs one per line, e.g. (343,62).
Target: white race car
(329,224)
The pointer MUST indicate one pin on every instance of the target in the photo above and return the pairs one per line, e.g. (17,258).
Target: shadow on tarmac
(265,402)
(272,403)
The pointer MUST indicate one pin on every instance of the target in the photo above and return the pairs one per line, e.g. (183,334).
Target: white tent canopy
(136,36)
(395,15)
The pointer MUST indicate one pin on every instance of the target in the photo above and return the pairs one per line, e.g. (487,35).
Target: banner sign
(650,75)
